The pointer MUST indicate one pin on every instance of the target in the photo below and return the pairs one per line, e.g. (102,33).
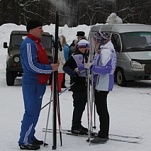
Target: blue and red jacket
(34,60)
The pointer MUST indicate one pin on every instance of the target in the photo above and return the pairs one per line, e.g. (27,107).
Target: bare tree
(94,11)
(74,12)
(134,11)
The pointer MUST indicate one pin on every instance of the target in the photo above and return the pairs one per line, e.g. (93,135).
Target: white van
(132,43)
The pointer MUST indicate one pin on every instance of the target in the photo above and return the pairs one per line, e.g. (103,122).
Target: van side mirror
(5,45)
(116,42)
(117,48)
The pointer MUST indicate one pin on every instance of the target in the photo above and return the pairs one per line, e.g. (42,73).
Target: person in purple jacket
(103,70)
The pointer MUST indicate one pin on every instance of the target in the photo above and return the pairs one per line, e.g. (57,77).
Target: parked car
(13,64)
(132,43)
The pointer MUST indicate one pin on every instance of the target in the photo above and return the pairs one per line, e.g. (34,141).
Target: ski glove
(76,70)
(79,69)
(88,65)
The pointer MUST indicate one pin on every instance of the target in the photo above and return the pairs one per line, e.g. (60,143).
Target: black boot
(30,147)
(37,142)
(99,140)
(79,131)
(84,128)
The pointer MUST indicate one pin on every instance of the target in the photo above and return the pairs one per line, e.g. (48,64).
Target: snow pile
(114,19)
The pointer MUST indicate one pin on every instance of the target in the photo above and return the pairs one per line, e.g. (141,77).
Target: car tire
(10,78)
(120,78)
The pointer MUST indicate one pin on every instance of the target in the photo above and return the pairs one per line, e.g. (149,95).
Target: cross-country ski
(95,133)
(112,137)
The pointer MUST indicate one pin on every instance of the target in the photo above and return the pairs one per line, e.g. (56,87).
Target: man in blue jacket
(36,71)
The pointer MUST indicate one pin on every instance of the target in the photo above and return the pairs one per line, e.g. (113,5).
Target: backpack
(73,47)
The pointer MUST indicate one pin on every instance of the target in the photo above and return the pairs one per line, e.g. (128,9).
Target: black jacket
(69,67)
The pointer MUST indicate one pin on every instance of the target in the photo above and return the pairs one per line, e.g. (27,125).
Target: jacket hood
(108,45)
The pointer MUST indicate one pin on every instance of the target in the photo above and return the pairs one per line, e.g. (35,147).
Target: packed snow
(129,108)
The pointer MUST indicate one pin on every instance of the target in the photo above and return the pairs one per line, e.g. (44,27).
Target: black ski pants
(79,102)
(102,111)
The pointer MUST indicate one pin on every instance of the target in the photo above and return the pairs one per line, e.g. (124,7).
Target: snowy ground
(129,107)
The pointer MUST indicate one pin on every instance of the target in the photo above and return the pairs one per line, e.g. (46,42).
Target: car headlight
(135,64)
(16,59)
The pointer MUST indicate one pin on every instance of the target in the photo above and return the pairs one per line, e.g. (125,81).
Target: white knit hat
(101,36)
(83,44)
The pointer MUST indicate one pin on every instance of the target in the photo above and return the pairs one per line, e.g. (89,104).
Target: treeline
(74,12)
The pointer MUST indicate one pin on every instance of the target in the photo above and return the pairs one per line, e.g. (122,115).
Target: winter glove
(76,70)
(88,65)
(79,69)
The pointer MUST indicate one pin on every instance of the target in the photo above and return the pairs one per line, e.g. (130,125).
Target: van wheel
(120,78)
(10,78)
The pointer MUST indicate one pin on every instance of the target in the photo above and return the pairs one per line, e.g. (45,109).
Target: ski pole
(89,114)
(90,109)
(88,106)
(90,97)
(59,95)
(94,116)
(55,82)
(93,103)
(47,121)
(59,115)
(59,120)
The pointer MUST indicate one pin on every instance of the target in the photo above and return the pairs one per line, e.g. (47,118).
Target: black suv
(13,64)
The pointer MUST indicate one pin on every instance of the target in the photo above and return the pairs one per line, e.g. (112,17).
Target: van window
(116,42)
(136,41)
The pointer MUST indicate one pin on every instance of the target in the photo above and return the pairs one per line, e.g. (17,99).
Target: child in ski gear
(75,68)
(36,71)
(103,69)
(73,47)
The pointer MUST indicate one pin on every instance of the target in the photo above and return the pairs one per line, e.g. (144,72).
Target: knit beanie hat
(83,44)
(101,36)
(33,24)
